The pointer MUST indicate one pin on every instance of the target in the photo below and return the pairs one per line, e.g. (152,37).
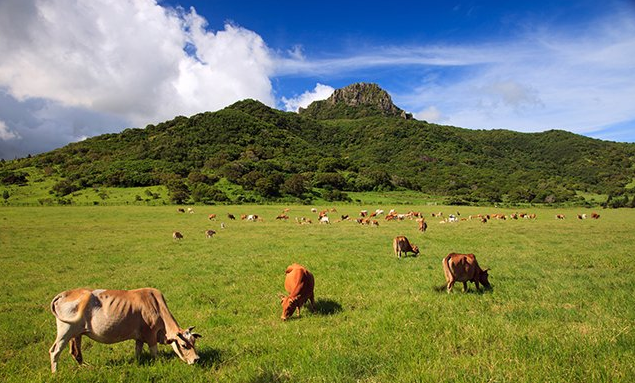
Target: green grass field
(562,308)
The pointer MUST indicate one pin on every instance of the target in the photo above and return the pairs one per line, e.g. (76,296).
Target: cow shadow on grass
(327,307)
(208,357)
(458,288)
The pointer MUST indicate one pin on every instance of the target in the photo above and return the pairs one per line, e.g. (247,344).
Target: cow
(363,213)
(559,216)
(463,268)
(313,210)
(211,217)
(180,210)
(374,222)
(177,235)
(112,316)
(344,217)
(209,233)
(282,216)
(595,215)
(231,216)
(222,225)
(401,245)
(423,226)
(299,283)
(325,219)
(190,210)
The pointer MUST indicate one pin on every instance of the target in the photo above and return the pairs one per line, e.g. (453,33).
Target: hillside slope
(350,142)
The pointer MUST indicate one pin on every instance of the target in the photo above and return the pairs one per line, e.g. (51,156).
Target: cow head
(482,279)
(184,345)
(288,306)
(415,249)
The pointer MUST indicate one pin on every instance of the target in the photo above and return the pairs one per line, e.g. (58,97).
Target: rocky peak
(354,101)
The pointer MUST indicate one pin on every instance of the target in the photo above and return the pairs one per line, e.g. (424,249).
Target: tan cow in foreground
(401,245)
(111,316)
(463,268)
(299,283)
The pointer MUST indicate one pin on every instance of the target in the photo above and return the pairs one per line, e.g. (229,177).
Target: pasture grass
(561,308)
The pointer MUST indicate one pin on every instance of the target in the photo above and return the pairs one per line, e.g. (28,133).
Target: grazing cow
(222,225)
(363,213)
(299,284)
(313,210)
(344,217)
(177,235)
(463,268)
(231,216)
(401,245)
(282,216)
(209,233)
(423,226)
(243,217)
(190,210)
(253,217)
(379,212)
(374,222)
(180,210)
(595,215)
(532,216)
(559,216)
(212,217)
(325,219)
(111,316)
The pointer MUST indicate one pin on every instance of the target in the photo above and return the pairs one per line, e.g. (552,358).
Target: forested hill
(354,141)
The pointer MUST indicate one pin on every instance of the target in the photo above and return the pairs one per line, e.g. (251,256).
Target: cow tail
(446,267)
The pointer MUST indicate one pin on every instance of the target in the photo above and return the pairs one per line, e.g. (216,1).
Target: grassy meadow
(562,308)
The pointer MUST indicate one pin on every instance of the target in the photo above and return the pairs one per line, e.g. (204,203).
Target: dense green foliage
(274,155)
(562,309)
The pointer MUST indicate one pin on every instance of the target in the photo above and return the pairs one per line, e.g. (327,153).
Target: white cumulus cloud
(6,134)
(320,92)
(132,60)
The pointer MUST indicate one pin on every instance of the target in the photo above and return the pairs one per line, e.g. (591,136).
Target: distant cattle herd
(110,316)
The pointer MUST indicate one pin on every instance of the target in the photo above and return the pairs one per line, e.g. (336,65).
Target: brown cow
(401,245)
(282,216)
(423,226)
(177,235)
(231,216)
(209,233)
(111,316)
(595,215)
(559,216)
(463,268)
(299,283)
(211,217)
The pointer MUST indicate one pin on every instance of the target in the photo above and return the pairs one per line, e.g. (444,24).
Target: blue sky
(73,71)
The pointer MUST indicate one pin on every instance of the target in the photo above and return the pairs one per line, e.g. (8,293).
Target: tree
(296,185)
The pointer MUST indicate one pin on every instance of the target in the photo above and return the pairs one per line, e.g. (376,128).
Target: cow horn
(190,329)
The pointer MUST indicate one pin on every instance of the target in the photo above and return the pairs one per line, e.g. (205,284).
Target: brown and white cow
(401,245)
(463,268)
(299,284)
(112,316)
(211,217)
(177,235)
(209,233)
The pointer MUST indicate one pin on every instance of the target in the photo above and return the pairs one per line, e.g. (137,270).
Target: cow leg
(138,349)
(154,350)
(75,346)
(312,300)
(464,287)
(64,335)
(450,285)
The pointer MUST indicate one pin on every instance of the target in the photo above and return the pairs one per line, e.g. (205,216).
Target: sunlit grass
(562,307)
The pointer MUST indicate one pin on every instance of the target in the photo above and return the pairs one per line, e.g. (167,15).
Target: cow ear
(169,341)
